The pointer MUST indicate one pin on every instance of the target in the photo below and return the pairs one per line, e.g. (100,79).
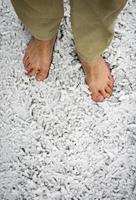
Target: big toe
(97,97)
(40,76)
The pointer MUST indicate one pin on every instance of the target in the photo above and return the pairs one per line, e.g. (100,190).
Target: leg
(93,28)
(42,18)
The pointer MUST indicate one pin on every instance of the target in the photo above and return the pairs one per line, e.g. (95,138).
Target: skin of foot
(99,79)
(38,57)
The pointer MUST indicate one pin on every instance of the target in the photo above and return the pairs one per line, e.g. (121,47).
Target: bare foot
(38,57)
(99,79)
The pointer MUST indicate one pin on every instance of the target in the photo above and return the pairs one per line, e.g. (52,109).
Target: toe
(27,65)
(29,68)
(100,98)
(97,97)
(109,90)
(104,93)
(42,74)
(111,79)
(110,84)
(32,71)
(25,58)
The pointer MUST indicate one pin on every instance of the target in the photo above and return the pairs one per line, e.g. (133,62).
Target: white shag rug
(55,142)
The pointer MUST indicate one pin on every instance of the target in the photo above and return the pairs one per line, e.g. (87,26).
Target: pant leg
(41,17)
(93,25)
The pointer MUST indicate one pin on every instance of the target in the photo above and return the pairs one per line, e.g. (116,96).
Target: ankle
(45,40)
(91,62)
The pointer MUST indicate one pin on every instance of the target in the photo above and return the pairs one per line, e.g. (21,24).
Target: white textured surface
(55,142)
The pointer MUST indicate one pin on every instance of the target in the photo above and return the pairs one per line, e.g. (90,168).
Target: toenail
(101,98)
(39,77)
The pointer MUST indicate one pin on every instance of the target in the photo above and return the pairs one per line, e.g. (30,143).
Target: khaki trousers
(92,22)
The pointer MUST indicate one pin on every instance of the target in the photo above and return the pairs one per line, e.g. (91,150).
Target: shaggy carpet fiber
(55,142)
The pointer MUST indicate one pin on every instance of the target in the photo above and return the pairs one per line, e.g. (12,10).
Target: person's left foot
(99,79)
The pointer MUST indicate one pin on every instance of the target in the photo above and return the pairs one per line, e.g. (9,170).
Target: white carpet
(55,142)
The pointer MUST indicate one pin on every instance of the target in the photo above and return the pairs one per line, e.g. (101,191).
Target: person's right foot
(38,57)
